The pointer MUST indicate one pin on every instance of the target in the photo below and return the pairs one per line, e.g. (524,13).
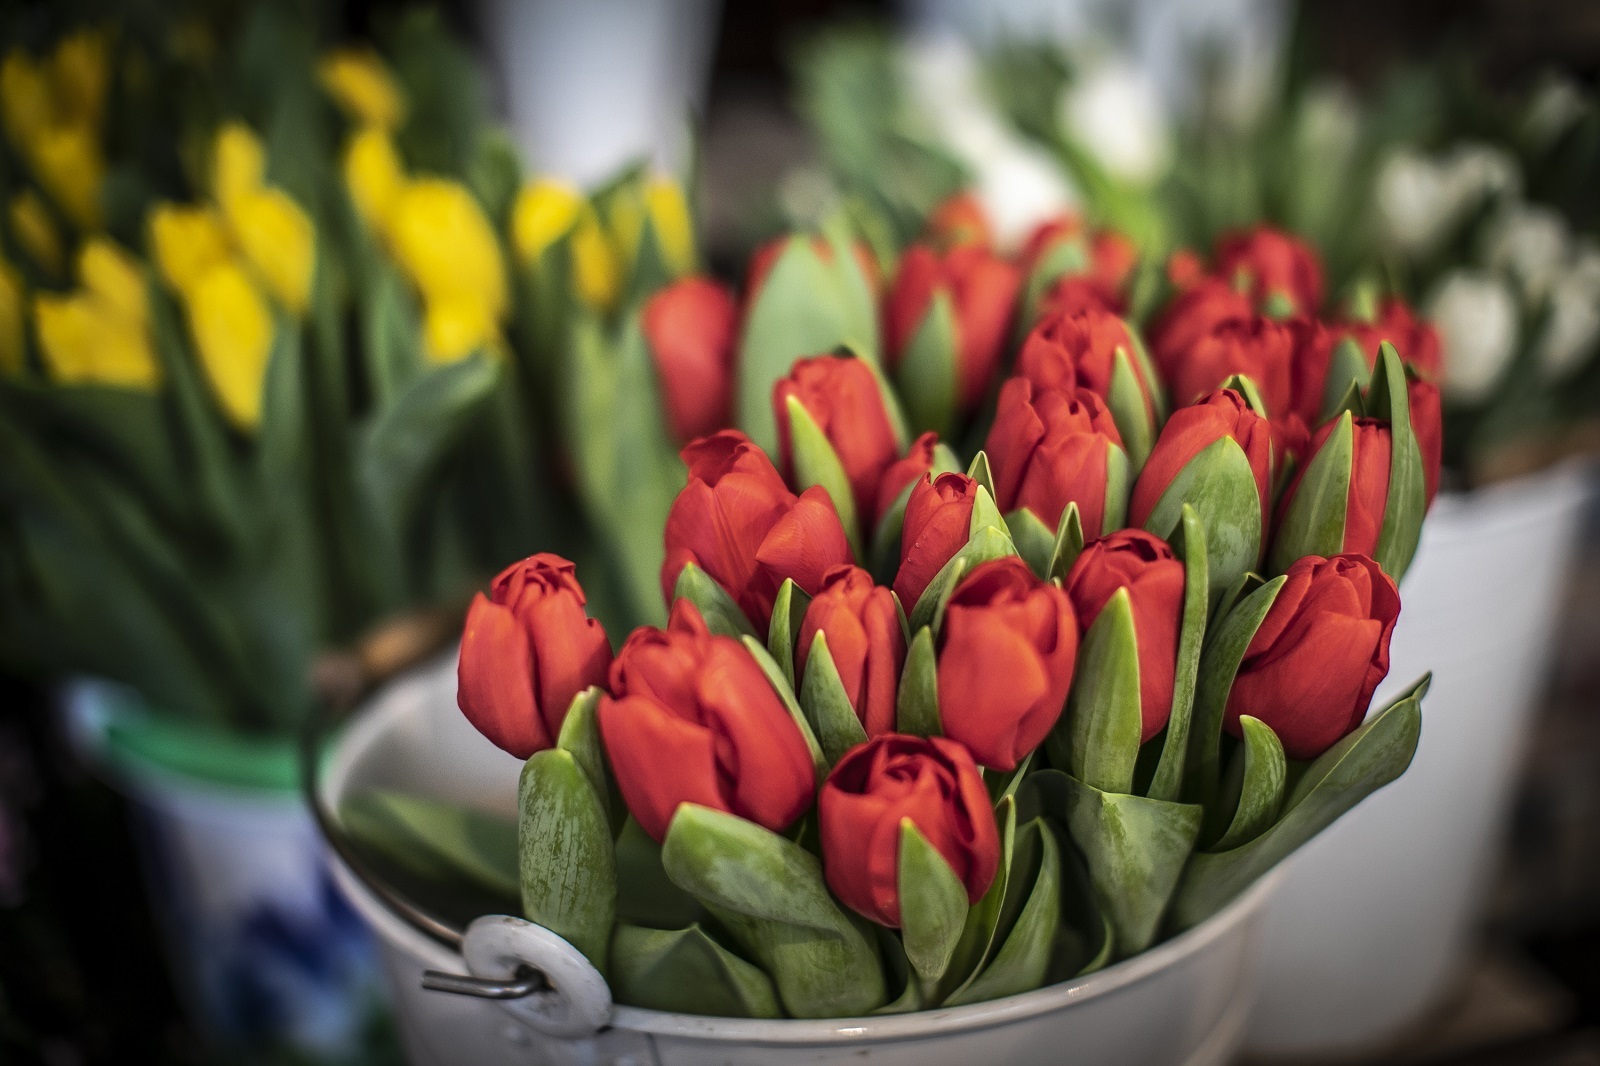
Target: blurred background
(728,94)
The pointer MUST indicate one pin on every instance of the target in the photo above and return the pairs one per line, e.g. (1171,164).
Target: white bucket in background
(1376,915)
(1183,1003)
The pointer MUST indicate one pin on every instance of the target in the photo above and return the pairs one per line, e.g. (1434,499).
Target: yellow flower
(595,270)
(12,346)
(114,277)
(239,163)
(456,326)
(84,341)
(361,84)
(68,162)
(545,210)
(186,242)
(232,330)
(25,99)
(444,242)
(662,201)
(374,175)
(82,70)
(278,241)
(35,230)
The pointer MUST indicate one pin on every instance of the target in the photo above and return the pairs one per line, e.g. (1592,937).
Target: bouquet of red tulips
(921,732)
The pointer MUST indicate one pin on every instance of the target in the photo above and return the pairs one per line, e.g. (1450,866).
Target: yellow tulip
(544,212)
(662,201)
(25,99)
(36,231)
(239,163)
(443,240)
(82,71)
(114,277)
(84,341)
(278,241)
(456,326)
(361,84)
(12,344)
(596,272)
(374,175)
(232,330)
(186,242)
(71,168)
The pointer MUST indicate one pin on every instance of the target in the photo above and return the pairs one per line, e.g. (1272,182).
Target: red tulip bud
(1274,266)
(960,220)
(1052,447)
(1261,348)
(917,461)
(1427,422)
(882,784)
(806,543)
(689,329)
(1190,431)
(842,395)
(937,524)
(982,289)
(527,650)
(868,648)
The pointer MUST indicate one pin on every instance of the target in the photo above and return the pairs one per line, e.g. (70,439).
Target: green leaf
(985,515)
(645,894)
(1347,371)
(1219,662)
(827,705)
(569,878)
(1034,540)
(933,908)
(1260,787)
(437,840)
(1118,489)
(984,546)
(770,893)
(786,694)
(391,328)
(1130,411)
(788,613)
(927,373)
(685,971)
(979,471)
(1068,543)
(1408,494)
(1354,768)
(580,738)
(1103,721)
(1136,848)
(816,463)
(977,944)
(1315,520)
(722,615)
(917,704)
(1220,486)
(1024,959)
(1168,781)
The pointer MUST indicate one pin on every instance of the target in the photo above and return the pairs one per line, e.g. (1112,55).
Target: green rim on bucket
(139,743)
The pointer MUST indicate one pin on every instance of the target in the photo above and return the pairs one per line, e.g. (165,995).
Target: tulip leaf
(917,705)
(986,545)
(1034,540)
(927,374)
(1341,777)
(899,975)
(580,738)
(1147,367)
(645,894)
(1191,543)
(1221,487)
(816,463)
(1219,662)
(1315,520)
(933,908)
(1130,411)
(769,892)
(979,471)
(1084,938)
(785,692)
(1408,494)
(1136,848)
(722,615)
(1245,386)
(684,970)
(788,613)
(859,296)
(1068,543)
(389,333)
(827,705)
(1103,721)
(1348,374)
(436,840)
(978,935)
(1118,488)
(886,393)
(1068,255)
(1257,795)
(1024,958)
(569,877)
(985,515)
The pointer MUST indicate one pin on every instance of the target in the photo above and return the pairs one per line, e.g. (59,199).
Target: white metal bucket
(1374,916)
(1184,1002)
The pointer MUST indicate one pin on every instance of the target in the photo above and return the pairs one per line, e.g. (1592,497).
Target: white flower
(1476,316)
(1556,105)
(1573,327)
(1530,243)
(1419,200)
(1329,123)
(1114,111)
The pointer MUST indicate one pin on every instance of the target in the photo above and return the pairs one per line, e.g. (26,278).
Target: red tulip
(1311,668)
(1275,265)
(1258,347)
(842,396)
(917,461)
(862,625)
(960,220)
(527,650)
(982,289)
(1007,650)
(937,524)
(1145,565)
(1203,305)
(1371,445)
(1078,349)
(692,719)
(1416,341)
(1111,259)
(1051,447)
(1427,422)
(689,329)
(879,786)
(806,543)
(1190,431)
